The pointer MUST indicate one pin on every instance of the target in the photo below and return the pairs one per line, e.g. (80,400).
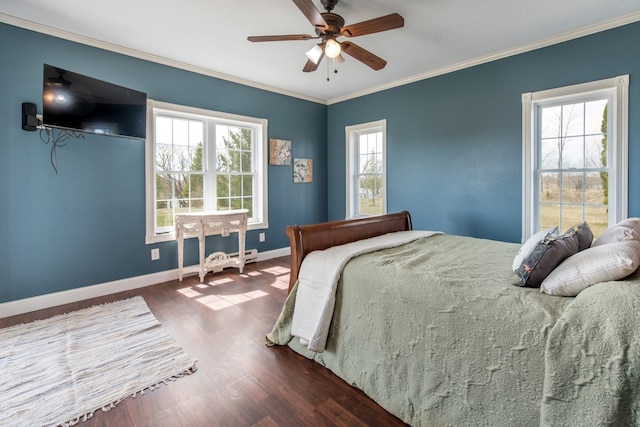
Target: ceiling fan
(329,26)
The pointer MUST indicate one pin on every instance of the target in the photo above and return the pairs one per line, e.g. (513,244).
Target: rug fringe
(190,370)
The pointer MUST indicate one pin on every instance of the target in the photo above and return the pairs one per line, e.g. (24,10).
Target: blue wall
(86,225)
(454,155)
(454,142)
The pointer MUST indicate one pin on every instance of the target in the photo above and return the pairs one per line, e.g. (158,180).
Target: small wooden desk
(201,224)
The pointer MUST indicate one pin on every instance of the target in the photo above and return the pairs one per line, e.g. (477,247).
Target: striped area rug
(58,371)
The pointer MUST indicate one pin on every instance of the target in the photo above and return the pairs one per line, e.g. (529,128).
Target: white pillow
(594,265)
(627,229)
(530,245)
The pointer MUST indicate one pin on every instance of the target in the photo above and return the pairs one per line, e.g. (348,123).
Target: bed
(435,332)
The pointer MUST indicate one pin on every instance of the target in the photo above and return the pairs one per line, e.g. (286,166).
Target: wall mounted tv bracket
(30,121)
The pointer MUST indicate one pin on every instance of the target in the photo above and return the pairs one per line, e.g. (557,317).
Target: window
(575,156)
(199,160)
(366,169)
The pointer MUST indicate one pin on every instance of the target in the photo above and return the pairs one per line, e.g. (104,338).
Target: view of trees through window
(180,165)
(179,168)
(370,172)
(573,178)
(234,168)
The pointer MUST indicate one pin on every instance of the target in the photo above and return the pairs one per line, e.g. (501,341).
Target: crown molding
(67,35)
(592,29)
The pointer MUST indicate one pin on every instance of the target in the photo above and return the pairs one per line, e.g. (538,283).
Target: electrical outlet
(262,238)
(155,254)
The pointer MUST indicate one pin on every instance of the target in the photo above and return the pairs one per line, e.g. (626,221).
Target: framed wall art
(279,152)
(302,170)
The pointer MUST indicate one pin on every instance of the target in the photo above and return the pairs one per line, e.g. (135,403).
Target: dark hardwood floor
(240,381)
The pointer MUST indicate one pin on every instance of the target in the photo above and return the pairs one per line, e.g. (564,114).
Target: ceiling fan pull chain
(328,70)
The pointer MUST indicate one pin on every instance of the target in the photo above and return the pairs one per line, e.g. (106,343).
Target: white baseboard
(276,253)
(26,305)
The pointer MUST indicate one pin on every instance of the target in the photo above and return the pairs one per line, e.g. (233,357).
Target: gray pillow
(585,236)
(545,257)
(530,244)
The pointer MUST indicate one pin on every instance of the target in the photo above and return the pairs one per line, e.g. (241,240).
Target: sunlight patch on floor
(279,284)
(189,292)
(215,303)
(218,302)
(280,273)
(254,273)
(221,281)
(276,271)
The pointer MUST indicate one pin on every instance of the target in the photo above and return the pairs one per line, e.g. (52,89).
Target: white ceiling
(210,36)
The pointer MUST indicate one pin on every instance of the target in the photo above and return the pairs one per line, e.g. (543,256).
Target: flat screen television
(81,103)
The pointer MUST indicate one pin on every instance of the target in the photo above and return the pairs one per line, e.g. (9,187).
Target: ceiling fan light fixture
(332,48)
(328,26)
(314,54)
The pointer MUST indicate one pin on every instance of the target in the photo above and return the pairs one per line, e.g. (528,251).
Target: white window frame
(617,91)
(351,137)
(260,206)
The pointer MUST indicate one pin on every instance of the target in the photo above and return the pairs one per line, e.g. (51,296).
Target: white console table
(201,224)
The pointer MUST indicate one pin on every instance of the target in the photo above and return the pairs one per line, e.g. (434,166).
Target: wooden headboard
(307,238)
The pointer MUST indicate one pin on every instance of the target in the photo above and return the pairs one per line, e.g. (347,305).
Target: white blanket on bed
(318,279)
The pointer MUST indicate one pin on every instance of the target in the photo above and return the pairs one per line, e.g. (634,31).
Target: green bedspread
(435,332)
(593,359)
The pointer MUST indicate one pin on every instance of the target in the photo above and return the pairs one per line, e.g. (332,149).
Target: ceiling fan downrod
(329,4)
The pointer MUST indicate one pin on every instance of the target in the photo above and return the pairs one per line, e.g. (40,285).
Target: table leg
(201,242)
(180,253)
(241,244)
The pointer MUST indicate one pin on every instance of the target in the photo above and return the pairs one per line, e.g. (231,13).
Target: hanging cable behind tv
(57,138)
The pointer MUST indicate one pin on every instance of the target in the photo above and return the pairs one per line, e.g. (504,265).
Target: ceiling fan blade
(383,23)
(312,13)
(312,66)
(280,38)
(363,55)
